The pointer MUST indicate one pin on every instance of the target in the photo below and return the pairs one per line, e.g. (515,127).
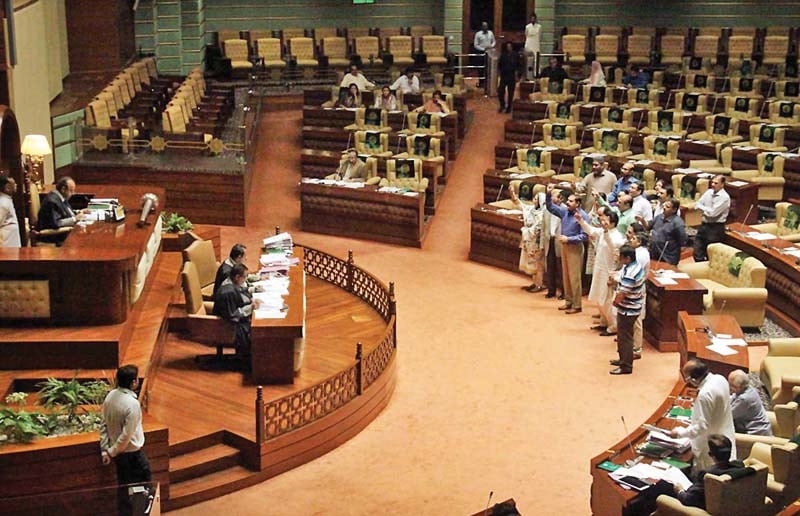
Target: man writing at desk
(233,302)
(351,169)
(55,212)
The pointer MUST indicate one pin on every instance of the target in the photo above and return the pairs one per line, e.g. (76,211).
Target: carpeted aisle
(497,389)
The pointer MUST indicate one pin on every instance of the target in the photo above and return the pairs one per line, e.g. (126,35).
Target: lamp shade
(35,145)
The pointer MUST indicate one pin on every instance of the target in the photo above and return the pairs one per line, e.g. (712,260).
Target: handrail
(283,415)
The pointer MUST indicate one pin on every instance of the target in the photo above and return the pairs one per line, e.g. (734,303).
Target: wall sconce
(35,146)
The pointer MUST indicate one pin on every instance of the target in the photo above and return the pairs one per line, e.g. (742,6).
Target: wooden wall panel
(90,22)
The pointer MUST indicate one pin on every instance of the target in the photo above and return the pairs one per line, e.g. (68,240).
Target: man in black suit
(719,447)
(233,302)
(55,212)
(223,272)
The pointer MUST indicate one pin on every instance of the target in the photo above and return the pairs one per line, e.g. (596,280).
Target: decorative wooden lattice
(371,290)
(376,361)
(326,267)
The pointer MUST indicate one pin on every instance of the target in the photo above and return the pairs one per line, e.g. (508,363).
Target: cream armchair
(639,48)
(618,119)
(449,83)
(574,45)
(335,49)
(553,91)
(610,142)
(767,137)
(236,50)
(706,48)
(526,191)
(664,123)
(783,461)
(435,49)
(788,90)
(661,150)
(562,113)
(672,48)
(725,496)
(372,143)
(559,135)
(534,160)
(719,129)
(425,123)
(371,166)
(787,220)
(368,48)
(691,102)
(780,369)
(734,280)
(743,108)
(424,147)
(699,83)
(375,114)
(201,254)
(406,176)
(606,48)
(581,167)
(401,49)
(598,95)
(269,49)
(302,49)
(785,112)
(688,189)
(768,176)
(644,98)
(745,87)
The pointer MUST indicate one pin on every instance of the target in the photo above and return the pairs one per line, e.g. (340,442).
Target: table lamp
(35,146)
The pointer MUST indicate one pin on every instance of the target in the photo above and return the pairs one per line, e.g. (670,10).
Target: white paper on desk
(676,477)
(643,162)
(411,194)
(702,142)
(502,211)
(662,280)
(668,273)
(269,314)
(745,147)
(721,349)
(795,253)
(688,170)
(758,235)
(522,176)
(738,183)
(728,341)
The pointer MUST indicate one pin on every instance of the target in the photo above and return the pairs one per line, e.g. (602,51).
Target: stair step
(195,490)
(198,443)
(202,462)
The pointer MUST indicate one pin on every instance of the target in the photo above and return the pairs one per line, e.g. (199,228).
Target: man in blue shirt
(638,78)
(572,239)
(623,184)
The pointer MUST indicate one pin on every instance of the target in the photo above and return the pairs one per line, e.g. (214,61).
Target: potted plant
(175,232)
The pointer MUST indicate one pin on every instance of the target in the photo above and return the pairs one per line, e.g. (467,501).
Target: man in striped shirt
(629,300)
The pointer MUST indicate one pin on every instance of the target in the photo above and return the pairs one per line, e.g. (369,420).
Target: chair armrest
(671,506)
(746,294)
(786,393)
(770,180)
(770,227)
(210,329)
(744,174)
(745,445)
(787,347)
(696,270)
(792,238)
(373,181)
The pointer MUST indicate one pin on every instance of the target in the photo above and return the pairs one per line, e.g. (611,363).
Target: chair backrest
(788,90)
(107,95)
(788,217)
(361,143)
(745,86)
(616,118)
(644,98)
(776,46)
(640,45)
(767,136)
(574,44)
(688,188)
(201,254)
(740,46)
(559,135)
(721,126)
(598,94)
(433,123)
(125,88)
(672,45)
(787,419)
(654,149)
(334,47)
(665,122)
(613,30)
(141,70)
(700,82)
(434,46)
(404,182)
(400,46)
(366,46)
(643,31)
(709,30)
(691,102)
(99,114)
(302,48)
(458,82)
(555,90)
(432,145)
(611,140)
(706,47)
(606,46)
(534,160)
(133,73)
(361,121)
(784,111)
(236,49)
(733,268)
(172,119)
(743,496)
(36,204)
(192,290)
(741,107)
(152,67)
(269,48)
(563,113)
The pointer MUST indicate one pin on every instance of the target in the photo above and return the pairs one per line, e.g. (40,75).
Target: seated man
(223,272)
(408,82)
(749,416)
(719,448)
(435,105)
(55,211)
(554,71)
(233,302)
(354,76)
(638,78)
(352,169)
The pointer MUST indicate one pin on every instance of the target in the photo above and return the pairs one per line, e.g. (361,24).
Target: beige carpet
(498,391)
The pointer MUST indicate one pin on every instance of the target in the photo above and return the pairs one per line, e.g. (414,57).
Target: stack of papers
(791,251)
(677,444)
(738,183)
(521,176)
(282,241)
(270,293)
(758,235)
(643,162)
(650,474)
(688,170)
(722,343)
(503,211)
(333,182)
(745,147)
(702,142)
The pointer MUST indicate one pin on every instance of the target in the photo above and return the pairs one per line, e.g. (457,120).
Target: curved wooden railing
(283,415)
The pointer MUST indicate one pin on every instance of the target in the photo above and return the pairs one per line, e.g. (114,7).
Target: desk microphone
(663,251)
(349,138)
(636,458)
(560,163)
(149,203)
(641,119)
(511,157)
(533,134)
(744,221)
(486,510)
(499,192)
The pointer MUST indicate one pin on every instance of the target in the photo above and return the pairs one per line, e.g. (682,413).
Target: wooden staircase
(204,468)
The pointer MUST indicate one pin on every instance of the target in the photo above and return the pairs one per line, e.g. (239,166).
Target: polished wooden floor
(193,402)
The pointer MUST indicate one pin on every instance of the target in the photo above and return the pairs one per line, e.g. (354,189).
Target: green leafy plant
(174,223)
(20,425)
(70,395)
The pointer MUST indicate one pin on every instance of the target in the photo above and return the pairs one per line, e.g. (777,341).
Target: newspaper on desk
(652,473)
(269,294)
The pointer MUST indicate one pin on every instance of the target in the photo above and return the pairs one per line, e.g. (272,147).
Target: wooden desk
(320,164)
(609,498)
(494,238)
(693,339)
(663,304)
(91,279)
(363,213)
(272,340)
(783,273)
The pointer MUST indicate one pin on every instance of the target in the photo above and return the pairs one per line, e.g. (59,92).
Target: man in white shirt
(714,204)
(641,206)
(9,226)
(533,32)
(711,412)
(122,435)
(408,82)
(484,39)
(354,76)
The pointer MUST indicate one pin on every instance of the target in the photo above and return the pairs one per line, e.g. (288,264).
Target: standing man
(623,184)
(122,435)
(551,238)
(628,301)
(711,412)
(572,240)
(533,32)
(668,234)
(715,204)
(641,206)
(483,41)
(354,76)
(223,272)
(601,180)
(507,69)
(9,226)
(749,416)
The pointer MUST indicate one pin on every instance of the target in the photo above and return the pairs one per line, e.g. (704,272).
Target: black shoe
(605,333)
(549,295)
(561,297)
(620,370)
(599,327)
(501,109)
(508,110)
(615,362)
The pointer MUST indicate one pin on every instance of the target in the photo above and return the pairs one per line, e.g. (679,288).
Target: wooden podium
(693,339)
(663,304)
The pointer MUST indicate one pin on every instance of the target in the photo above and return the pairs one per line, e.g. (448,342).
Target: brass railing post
(260,423)
(359,369)
(393,312)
